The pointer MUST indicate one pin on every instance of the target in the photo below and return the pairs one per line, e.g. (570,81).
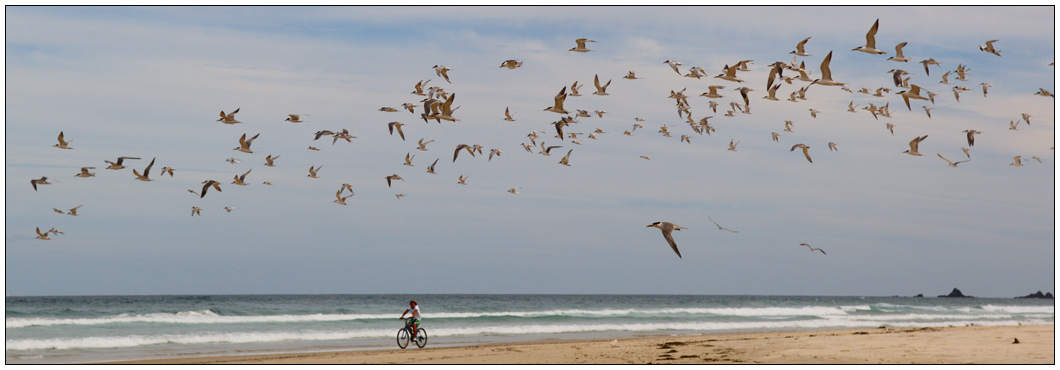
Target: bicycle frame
(406,334)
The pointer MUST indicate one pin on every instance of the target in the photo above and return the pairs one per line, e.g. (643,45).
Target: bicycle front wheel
(421,337)
(403,338)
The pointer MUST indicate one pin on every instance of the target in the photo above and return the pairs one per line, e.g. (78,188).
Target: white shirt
(416,312)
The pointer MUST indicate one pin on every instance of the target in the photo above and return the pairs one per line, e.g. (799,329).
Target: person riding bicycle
(415,320)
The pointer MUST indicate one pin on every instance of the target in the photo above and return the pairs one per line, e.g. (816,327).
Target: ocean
(107,328)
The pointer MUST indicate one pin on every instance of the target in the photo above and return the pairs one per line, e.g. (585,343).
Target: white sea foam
(209,317)
(191,317)
(1020,309)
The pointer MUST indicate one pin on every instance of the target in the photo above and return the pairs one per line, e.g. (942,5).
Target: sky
(149,82)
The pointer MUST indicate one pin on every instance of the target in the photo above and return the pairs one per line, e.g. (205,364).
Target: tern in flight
(813,249)
(441,71)
(870,40)
(423,144)
(1017,161)
(574,89)
(419,88)
(342,199)
(800,48)
(511,64)
(207,184)
(719,226)
(547,150)
(713,93)
(229,118)
(147,172)
(897,76)
(566,159)
(63,144)
(118,165)
(673,64)
(989,48)
(826,73)
(239,178)
(971,136)
(269,160)
(41,181)
(41,236)
(581,45)
(729,75)
(898,56)
(805,150)
(952,164)
(600,89)
(914,145)
(557,107)
(85,173)
(396,125)
(927,62)
(72,211)
(912,93)
(667,231)
(393,177)
(244,144)
(462,146)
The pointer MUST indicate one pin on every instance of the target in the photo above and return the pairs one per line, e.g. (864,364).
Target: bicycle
(404,334)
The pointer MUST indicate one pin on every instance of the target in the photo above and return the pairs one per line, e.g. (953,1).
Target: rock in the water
(956,293)
(1038,295)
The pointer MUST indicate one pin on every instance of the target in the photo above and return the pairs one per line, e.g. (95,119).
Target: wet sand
(950,345)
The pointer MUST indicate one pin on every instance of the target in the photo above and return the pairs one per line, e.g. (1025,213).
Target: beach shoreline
(926,345)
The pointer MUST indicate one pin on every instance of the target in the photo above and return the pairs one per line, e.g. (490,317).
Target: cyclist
(415,309)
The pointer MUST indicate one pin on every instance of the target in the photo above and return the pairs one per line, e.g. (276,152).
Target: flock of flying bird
(437,105)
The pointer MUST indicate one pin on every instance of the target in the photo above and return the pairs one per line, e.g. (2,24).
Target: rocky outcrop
(1038,295)
(956,293)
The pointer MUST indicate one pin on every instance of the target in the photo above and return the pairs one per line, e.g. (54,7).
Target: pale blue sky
(149,82)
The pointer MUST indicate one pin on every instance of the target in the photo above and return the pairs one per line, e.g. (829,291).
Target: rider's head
(412,303)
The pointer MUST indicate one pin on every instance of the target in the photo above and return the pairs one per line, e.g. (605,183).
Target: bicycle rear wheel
(421,337)
(403,338)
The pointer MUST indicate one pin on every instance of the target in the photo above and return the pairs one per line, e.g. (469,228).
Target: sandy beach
(949,345)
